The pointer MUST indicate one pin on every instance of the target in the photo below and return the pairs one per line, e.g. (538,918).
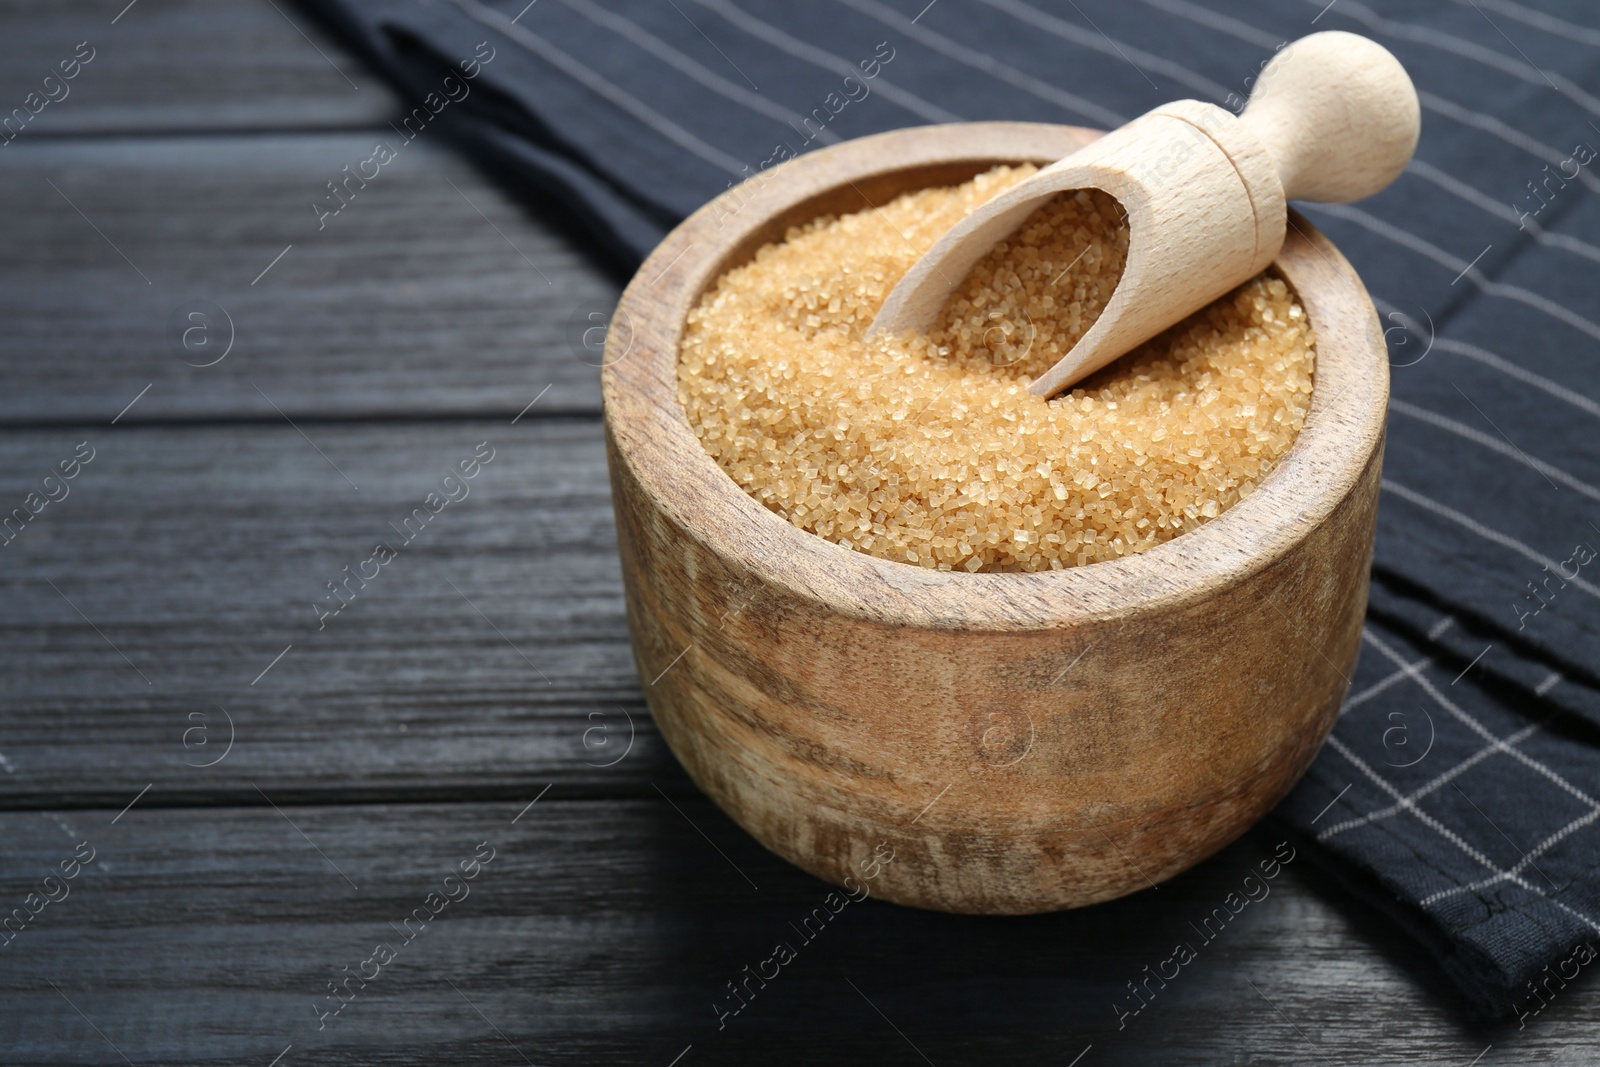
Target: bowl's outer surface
(1016,742)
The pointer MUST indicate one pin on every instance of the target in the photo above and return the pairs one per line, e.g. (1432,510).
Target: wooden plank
(431,293)
(165,65)
(605,932)
(490,652)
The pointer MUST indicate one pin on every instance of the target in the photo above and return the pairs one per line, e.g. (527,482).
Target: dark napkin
(1459,790)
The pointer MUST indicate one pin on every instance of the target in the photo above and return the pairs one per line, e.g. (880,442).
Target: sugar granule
(928,449)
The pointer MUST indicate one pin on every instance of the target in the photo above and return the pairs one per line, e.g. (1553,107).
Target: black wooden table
(438,826)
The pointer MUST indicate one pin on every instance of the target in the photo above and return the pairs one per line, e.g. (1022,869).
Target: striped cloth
(1459,790)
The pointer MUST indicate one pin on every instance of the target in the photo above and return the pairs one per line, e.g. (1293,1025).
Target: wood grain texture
(842,696)
(607,932)
(170,65)
(198,553)
(408,302)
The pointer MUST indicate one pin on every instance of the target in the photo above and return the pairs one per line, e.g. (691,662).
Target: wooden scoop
(1333,118)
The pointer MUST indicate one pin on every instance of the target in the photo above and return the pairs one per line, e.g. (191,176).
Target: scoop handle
(1338,115)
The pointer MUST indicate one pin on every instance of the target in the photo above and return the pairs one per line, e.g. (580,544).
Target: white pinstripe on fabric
(1538,301)
(1527,859)
(1494,536)
(1538,20)
(817,57)
(1456,712)
(1435,825)
(1406,804)
(692,68)
(1501,210)
(1503,131)
(1494,444)
(1432,786)
(1380,687)
(575,69)
(1432,38)
(1215,20)
(978,60)
(1099,42)
(1501,746)
(1498,363)
(1522,374)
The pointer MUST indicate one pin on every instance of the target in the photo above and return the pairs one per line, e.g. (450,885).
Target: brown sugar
(929,449)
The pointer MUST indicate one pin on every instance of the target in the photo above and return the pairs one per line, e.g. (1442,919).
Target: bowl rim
(649,432)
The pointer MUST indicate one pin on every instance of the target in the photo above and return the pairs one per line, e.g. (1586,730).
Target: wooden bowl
(998,743)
